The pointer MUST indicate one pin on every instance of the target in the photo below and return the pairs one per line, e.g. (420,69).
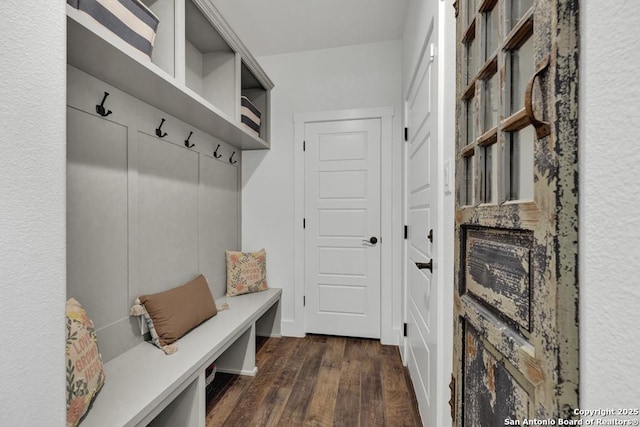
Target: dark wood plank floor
(317,381)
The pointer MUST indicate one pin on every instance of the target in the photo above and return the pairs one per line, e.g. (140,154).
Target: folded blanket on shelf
(250,115)
(130,20)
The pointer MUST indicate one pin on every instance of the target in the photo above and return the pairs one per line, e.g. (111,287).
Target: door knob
(372,240)
(425,265)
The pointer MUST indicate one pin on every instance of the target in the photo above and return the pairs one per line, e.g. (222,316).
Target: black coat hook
(215,153)
(233,162)
(186,141)
(100,108)
(159,130)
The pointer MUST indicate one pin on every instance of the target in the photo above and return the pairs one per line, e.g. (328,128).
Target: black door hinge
(304,145)
(304,301)
(406,232)
(304,222)
(404,332)
(406,134)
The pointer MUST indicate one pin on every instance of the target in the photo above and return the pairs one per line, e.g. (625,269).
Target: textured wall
(32,213)
(609,204)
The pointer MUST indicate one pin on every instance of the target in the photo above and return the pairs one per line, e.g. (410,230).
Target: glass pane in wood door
(472,65)
(489,174)
(471,121)
(521,164)
(490,32)
(518,9)
(470,11)
(467,187)
(521,69)
(490,98)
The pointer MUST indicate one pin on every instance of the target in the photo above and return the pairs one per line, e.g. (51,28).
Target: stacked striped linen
(130,20)
(250,115)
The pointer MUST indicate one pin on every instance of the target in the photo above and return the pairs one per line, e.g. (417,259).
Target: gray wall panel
(219,219)
(167,214)
(144,214)
(118,337)
(97,263)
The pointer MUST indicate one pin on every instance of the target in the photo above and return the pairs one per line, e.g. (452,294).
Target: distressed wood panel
(491,392)
(488,296)
(498,271)
(511,345)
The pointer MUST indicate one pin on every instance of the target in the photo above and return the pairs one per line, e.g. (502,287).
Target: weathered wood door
(515,312)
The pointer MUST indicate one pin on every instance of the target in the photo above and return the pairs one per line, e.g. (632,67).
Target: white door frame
(405,222)
(389,291)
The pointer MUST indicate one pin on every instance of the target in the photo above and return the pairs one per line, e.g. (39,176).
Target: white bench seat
(143,381)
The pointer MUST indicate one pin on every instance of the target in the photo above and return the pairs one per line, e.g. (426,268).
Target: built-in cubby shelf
(210,62)
(197,73)
(164,54)
(251,87)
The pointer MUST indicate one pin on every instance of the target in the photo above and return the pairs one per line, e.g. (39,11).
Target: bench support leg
(269,324)
(240,357)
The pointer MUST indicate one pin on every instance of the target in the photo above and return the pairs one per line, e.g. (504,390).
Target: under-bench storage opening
(186,409)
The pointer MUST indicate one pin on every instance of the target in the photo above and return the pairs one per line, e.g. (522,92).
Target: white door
(342,227)
(421,295)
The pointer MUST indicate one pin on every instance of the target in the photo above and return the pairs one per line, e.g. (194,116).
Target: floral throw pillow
(84,368)
(246,272)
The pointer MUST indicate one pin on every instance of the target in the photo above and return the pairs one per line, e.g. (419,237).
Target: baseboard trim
(291,328)
(250,373)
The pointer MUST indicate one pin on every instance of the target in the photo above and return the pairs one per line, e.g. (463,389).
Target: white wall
(32,213)
(609,205)
(330,79)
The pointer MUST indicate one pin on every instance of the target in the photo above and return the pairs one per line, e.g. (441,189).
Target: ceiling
(271,27)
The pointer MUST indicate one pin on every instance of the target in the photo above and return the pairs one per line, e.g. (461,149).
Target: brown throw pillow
(176,311)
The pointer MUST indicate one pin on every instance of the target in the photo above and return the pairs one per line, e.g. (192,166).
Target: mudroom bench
(146,387)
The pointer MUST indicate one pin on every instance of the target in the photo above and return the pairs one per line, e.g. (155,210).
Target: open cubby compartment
(186,408)
(210,62)
(164,52)
(240,357)
(255,91)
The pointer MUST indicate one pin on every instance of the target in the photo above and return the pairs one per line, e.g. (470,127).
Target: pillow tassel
(137,309)
(223,307)
(169,349)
